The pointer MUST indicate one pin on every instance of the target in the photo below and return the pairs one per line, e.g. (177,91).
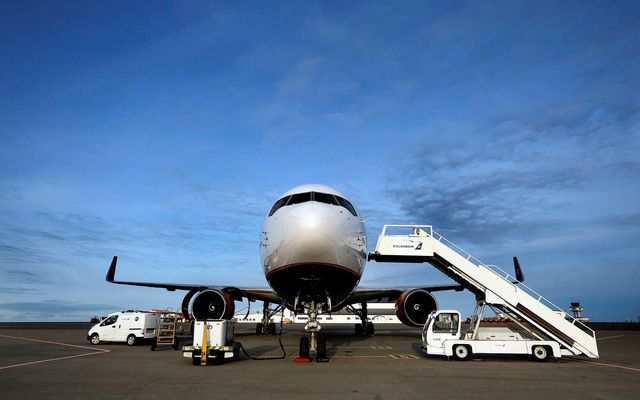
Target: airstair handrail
(493,268)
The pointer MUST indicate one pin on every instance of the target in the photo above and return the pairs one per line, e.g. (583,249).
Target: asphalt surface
(54,361)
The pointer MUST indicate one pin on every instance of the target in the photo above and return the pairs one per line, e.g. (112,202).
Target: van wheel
(540,353)
(131,340)
(461,352)
(95,339)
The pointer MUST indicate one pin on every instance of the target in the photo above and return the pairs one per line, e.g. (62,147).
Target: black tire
(259,329)
(304,347)
(358,330)
(195,360)
(461,352)
(272,328)
(370,329)
(95,339)
(131,340)
(321,351)
(236,354)
(540,353)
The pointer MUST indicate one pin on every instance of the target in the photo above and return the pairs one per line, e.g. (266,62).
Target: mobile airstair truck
(442,335)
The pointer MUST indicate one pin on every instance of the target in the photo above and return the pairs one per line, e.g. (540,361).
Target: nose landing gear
(315,343)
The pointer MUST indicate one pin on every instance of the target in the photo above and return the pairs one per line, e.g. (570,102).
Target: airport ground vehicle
(492,286)
(212,340)
(442,335)
(124,326)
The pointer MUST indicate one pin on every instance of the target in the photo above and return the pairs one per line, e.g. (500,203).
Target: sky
(163,133)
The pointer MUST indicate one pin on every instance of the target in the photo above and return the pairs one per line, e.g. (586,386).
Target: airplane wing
(365,295)
(267,295)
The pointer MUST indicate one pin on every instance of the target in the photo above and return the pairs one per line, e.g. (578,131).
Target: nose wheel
(305,347)
(315,342)
(320,347)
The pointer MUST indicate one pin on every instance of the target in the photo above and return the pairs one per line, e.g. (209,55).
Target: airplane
(313,249)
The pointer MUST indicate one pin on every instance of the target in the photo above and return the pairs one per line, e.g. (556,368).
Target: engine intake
(212,304)
(414,306)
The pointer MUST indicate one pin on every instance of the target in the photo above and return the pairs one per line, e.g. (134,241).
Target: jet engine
(414,306)
(212,304)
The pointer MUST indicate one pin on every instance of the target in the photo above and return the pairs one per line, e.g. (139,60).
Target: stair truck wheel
(540,353)
(304,347)
(461,352)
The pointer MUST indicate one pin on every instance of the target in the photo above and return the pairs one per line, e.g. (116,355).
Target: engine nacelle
(414,306)
(212,304)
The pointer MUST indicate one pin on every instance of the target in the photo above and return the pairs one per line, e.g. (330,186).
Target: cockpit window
(325,198)
(346,204)
(279,204)
(313,196)
(299,198)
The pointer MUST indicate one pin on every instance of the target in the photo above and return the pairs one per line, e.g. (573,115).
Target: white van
(124,326)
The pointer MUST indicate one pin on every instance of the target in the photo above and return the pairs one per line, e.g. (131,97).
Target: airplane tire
(321,352)
(461,352)
(259,329)
(540,353)
(304,347)
(358,329)
(370,329)
(272,328)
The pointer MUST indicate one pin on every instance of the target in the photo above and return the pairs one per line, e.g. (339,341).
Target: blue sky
(162,134)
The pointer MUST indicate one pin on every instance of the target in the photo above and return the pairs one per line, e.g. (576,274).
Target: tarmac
(55,361)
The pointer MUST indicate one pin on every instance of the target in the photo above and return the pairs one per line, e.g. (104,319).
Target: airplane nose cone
(308,222)
(310,230)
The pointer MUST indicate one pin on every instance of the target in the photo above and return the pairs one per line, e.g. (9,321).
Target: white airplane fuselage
(313,246)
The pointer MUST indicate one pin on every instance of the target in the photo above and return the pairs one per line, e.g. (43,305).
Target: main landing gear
(266,327)
(366,327)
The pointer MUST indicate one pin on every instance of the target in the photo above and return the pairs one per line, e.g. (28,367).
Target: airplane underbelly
(312,269)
